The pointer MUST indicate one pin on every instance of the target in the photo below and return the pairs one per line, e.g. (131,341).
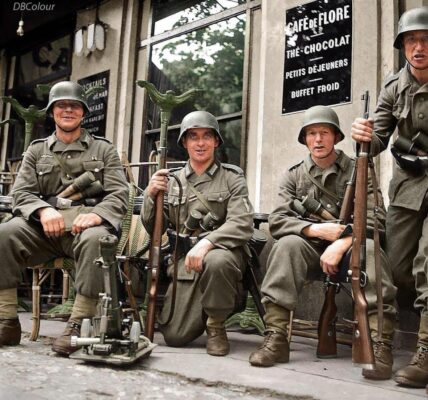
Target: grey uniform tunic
(403,104)
(22,240)
(293,255)
(214,291)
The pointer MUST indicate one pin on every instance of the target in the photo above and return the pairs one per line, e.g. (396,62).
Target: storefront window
(51,58)
(211,59)
(173,14)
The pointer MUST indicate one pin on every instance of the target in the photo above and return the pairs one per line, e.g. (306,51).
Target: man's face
(320,139)
(200,144)
(68,114)
(416,48)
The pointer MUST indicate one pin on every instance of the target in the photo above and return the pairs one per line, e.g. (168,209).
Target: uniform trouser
(407,250)
(24,244)
(292,257)
(214,293)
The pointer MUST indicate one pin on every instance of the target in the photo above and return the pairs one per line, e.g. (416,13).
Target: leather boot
(217,343)
(275,349)
(415,374)
(62,344)
(10,331)
(383,362)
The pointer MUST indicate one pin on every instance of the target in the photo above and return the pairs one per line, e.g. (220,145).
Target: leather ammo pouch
(184,242)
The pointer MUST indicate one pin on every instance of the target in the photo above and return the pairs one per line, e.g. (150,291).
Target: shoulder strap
(200,197)
(321,187)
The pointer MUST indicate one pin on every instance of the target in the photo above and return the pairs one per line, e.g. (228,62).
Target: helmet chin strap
(70,130)
(408,62)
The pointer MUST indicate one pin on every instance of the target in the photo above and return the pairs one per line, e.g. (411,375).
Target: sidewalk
(305,376)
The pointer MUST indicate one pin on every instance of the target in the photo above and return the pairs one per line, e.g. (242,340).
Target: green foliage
(210,58)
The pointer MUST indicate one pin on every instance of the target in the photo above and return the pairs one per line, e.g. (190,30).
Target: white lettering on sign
(323,18)
(326,44)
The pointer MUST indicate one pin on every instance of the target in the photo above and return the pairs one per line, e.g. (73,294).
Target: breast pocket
(218,202)
(400,109)
(46,178)
(96,167)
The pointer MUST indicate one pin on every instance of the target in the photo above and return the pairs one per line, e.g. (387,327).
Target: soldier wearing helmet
(214,208)
(55,214)
(402,105)
(309,239)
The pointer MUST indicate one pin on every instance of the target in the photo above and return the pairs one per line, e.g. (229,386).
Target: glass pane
(169,15)
(51,58)
(210,59)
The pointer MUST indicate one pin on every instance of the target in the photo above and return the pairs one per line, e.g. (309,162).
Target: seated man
(49,225)
(302,245)
(210,274)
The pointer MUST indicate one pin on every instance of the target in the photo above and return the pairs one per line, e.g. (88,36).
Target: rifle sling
(321,187)
(200,197)
(378,267)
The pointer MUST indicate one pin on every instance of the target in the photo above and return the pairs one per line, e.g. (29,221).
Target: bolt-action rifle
(362,348)
(354,203)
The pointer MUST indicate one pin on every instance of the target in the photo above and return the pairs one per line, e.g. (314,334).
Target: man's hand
(85,221)
(52,222)
(327,231)
(158,182)
(195,257)
(362,130)
(332,255)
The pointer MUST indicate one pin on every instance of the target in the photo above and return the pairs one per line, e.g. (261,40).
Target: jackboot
(383,362)
(62,344)
(415,374)
(275,347)
(10,332)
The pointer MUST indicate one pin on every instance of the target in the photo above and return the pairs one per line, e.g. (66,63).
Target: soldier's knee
(289,243)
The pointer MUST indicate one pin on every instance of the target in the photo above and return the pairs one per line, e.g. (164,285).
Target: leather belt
(63,204)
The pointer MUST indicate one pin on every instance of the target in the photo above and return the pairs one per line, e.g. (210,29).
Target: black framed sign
(95,122)
(318,55)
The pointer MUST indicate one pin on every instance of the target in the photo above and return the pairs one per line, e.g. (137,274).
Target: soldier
(210,274)
(47,226)
(402,104)
(304,245)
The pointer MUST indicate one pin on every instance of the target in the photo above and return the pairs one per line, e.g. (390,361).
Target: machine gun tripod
(111,338)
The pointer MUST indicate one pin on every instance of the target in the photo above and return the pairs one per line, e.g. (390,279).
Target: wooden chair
(41,273)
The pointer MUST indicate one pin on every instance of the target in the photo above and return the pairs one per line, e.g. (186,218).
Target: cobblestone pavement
(33,371)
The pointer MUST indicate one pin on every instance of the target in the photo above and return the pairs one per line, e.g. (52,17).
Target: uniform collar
(210,171)
(81,144)
(406,79)
(340,163)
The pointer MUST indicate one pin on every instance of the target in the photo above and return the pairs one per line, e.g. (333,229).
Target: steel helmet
(67,90)
(415,19)
(199,119)
(320,115)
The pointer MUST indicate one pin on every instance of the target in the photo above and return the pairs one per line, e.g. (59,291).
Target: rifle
(327,344)
(362,349)
(355,200)
(156,241)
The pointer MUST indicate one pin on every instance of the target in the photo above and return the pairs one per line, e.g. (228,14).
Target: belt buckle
(63,204)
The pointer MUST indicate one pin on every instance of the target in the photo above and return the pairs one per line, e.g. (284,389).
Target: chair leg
(290,327)
(36,306)
(65,285)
